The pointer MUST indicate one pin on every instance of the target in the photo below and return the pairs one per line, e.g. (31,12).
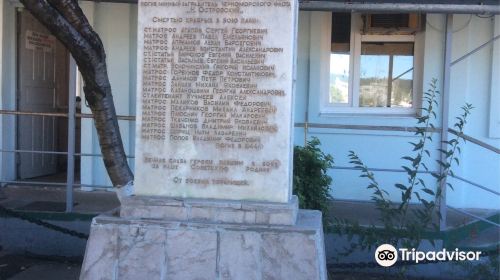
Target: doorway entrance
(42,88)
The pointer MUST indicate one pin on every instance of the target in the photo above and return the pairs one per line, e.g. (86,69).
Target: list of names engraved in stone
(215,86)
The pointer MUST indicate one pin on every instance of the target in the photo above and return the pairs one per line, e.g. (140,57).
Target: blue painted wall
(471,81)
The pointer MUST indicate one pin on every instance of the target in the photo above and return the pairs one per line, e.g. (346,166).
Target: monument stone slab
(214,100)
(131,248)
(213,151)
(213,211)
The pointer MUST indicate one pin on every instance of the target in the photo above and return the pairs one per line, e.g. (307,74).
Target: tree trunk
(66,21)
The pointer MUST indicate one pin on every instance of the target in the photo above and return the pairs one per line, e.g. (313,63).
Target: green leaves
(311,182)
(417,146)
(414,161)
(394,216)
(443,164)
(429,191)
(411,172)
(401,186)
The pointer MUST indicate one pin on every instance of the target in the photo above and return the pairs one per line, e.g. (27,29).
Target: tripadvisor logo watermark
(386,255)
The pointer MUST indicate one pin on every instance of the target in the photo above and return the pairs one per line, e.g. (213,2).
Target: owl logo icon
(386,255)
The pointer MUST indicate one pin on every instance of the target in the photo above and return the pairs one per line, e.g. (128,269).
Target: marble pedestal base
(145,248)
(210,210)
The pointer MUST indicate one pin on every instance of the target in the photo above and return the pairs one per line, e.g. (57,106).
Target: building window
(386,78)
(340,58)
(373,63)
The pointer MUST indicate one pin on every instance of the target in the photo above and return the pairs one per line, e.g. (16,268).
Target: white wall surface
(88,134)
(378,149)
(8,88)
(116,25)
(1,78)
(302,86)
(471,82)
(495,84)
(474,80)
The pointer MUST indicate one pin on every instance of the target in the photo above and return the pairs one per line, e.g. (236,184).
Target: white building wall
(300,99)
(8,89)
(88,133)
(378,149)
(474,80)
(471,82)
(494,123)
(1,78)
(116,25)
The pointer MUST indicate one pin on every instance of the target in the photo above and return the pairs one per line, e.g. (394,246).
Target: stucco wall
(8,89)
(1,74)
(474,80)
(471,82)
(116,25)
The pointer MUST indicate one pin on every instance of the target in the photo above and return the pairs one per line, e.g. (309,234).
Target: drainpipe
(445,104)
(388,7)
(70,169)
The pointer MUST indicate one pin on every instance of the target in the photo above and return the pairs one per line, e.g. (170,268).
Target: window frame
(352,106)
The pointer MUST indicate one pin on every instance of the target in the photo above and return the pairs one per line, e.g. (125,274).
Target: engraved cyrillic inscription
(215,78)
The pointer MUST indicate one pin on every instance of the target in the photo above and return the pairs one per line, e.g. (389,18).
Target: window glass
(386,74)
(340,58)
(402,81)
(339,78)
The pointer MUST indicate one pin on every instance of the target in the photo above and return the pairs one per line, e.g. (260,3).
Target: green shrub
(396,217)
(311,184)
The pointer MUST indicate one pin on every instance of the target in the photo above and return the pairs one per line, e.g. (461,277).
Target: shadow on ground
(30,267)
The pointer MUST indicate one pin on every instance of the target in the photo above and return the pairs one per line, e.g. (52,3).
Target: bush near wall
(311,184)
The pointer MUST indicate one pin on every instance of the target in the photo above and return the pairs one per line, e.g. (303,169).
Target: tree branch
(72,12)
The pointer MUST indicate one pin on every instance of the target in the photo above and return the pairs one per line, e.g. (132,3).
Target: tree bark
(67,22)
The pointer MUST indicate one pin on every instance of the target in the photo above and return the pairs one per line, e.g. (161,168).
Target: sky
(372,65)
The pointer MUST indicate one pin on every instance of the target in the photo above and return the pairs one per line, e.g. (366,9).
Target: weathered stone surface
(214,125)
(217,211)
(155,212)
(131,248)
(240,255)
(101,254)
(282,258)
(142,253)
(191,254)
(214,99)
(202,214)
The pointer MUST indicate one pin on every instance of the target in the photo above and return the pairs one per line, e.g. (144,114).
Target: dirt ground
(20,267)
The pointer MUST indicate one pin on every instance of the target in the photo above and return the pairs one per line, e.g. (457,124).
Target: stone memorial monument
(213,193)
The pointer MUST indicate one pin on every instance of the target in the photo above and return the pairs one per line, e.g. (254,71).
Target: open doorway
(42,88)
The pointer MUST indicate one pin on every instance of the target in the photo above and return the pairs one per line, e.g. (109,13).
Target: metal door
(38,63)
